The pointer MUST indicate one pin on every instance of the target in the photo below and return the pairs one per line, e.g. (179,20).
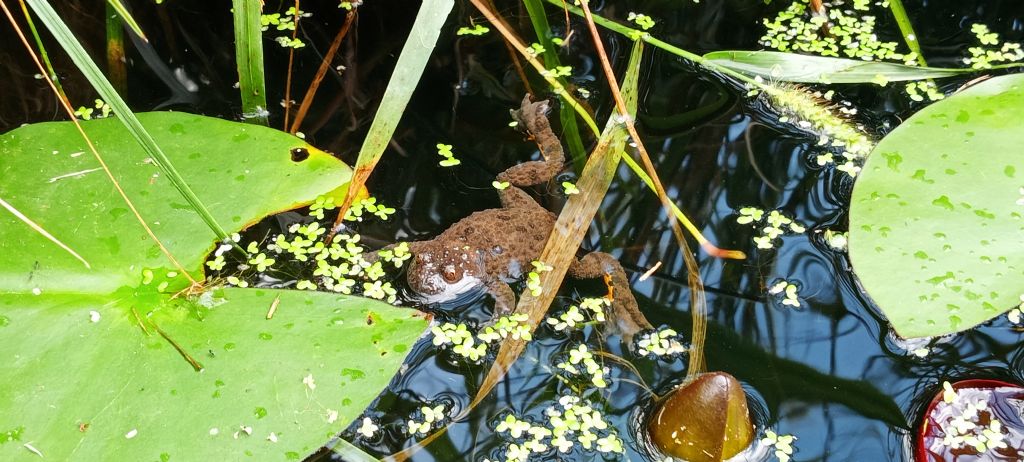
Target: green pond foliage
(936,215)
(100,360)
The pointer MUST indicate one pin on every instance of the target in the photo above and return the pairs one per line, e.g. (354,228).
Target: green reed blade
(102,86)
(249,59)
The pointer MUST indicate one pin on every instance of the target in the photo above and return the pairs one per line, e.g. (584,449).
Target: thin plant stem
(49,73)
(635,34)
(325,65)
(506,31)
(698,304)
(907,29)
(123,15)
(291,61)
(71,113)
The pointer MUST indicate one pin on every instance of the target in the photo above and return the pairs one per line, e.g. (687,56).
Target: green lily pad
(89,374)
(936,215)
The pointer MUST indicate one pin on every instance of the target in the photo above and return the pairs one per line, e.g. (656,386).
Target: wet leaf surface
(89,376)
(936,215)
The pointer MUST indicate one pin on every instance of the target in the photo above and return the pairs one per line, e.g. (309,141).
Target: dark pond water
(830,373)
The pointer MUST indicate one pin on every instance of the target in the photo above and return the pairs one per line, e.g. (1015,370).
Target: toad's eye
(450,274)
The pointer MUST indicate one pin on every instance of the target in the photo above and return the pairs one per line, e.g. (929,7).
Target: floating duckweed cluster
(86,113)
(571,423)
(432,417)
(447,157)
(836,239)
(285,22)
(787,291)
(918,91)
(577,315)
(971,425)
(581,357)
(772,225)
(850,32)
(558,71)
(645,22)
(814,111)
(533,278)
(782,444)
(338,266)
(368,428)
(535,49)
(983,57)
(477,29)
(474,347)
(661,343)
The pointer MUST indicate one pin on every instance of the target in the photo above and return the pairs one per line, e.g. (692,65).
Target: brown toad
(491,248)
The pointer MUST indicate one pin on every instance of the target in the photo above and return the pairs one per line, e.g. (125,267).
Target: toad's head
(441,272)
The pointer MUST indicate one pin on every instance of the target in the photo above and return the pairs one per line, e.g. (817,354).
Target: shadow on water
(829,372)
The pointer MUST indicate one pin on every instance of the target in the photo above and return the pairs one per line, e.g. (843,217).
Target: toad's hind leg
(625,317)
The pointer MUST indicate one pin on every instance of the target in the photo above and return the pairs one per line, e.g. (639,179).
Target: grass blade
(249,60)
(124,15)
(50,73)
(88,68)
(408,70)
(39,229)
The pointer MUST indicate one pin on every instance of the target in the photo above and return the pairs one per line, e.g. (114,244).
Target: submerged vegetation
(151,248)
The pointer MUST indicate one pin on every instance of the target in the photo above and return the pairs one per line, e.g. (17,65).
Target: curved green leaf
(88,374)
(936,215)
(792,67)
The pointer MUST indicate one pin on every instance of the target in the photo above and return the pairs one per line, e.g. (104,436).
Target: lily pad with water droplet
(937,237)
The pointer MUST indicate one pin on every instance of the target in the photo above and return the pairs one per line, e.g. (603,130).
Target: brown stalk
(71,113)
(307,100)
(196,365)
(698,304)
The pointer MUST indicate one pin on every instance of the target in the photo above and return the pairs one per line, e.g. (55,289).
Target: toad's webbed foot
(625,317)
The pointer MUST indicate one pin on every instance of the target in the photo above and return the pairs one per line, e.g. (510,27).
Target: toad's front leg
(504,297)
